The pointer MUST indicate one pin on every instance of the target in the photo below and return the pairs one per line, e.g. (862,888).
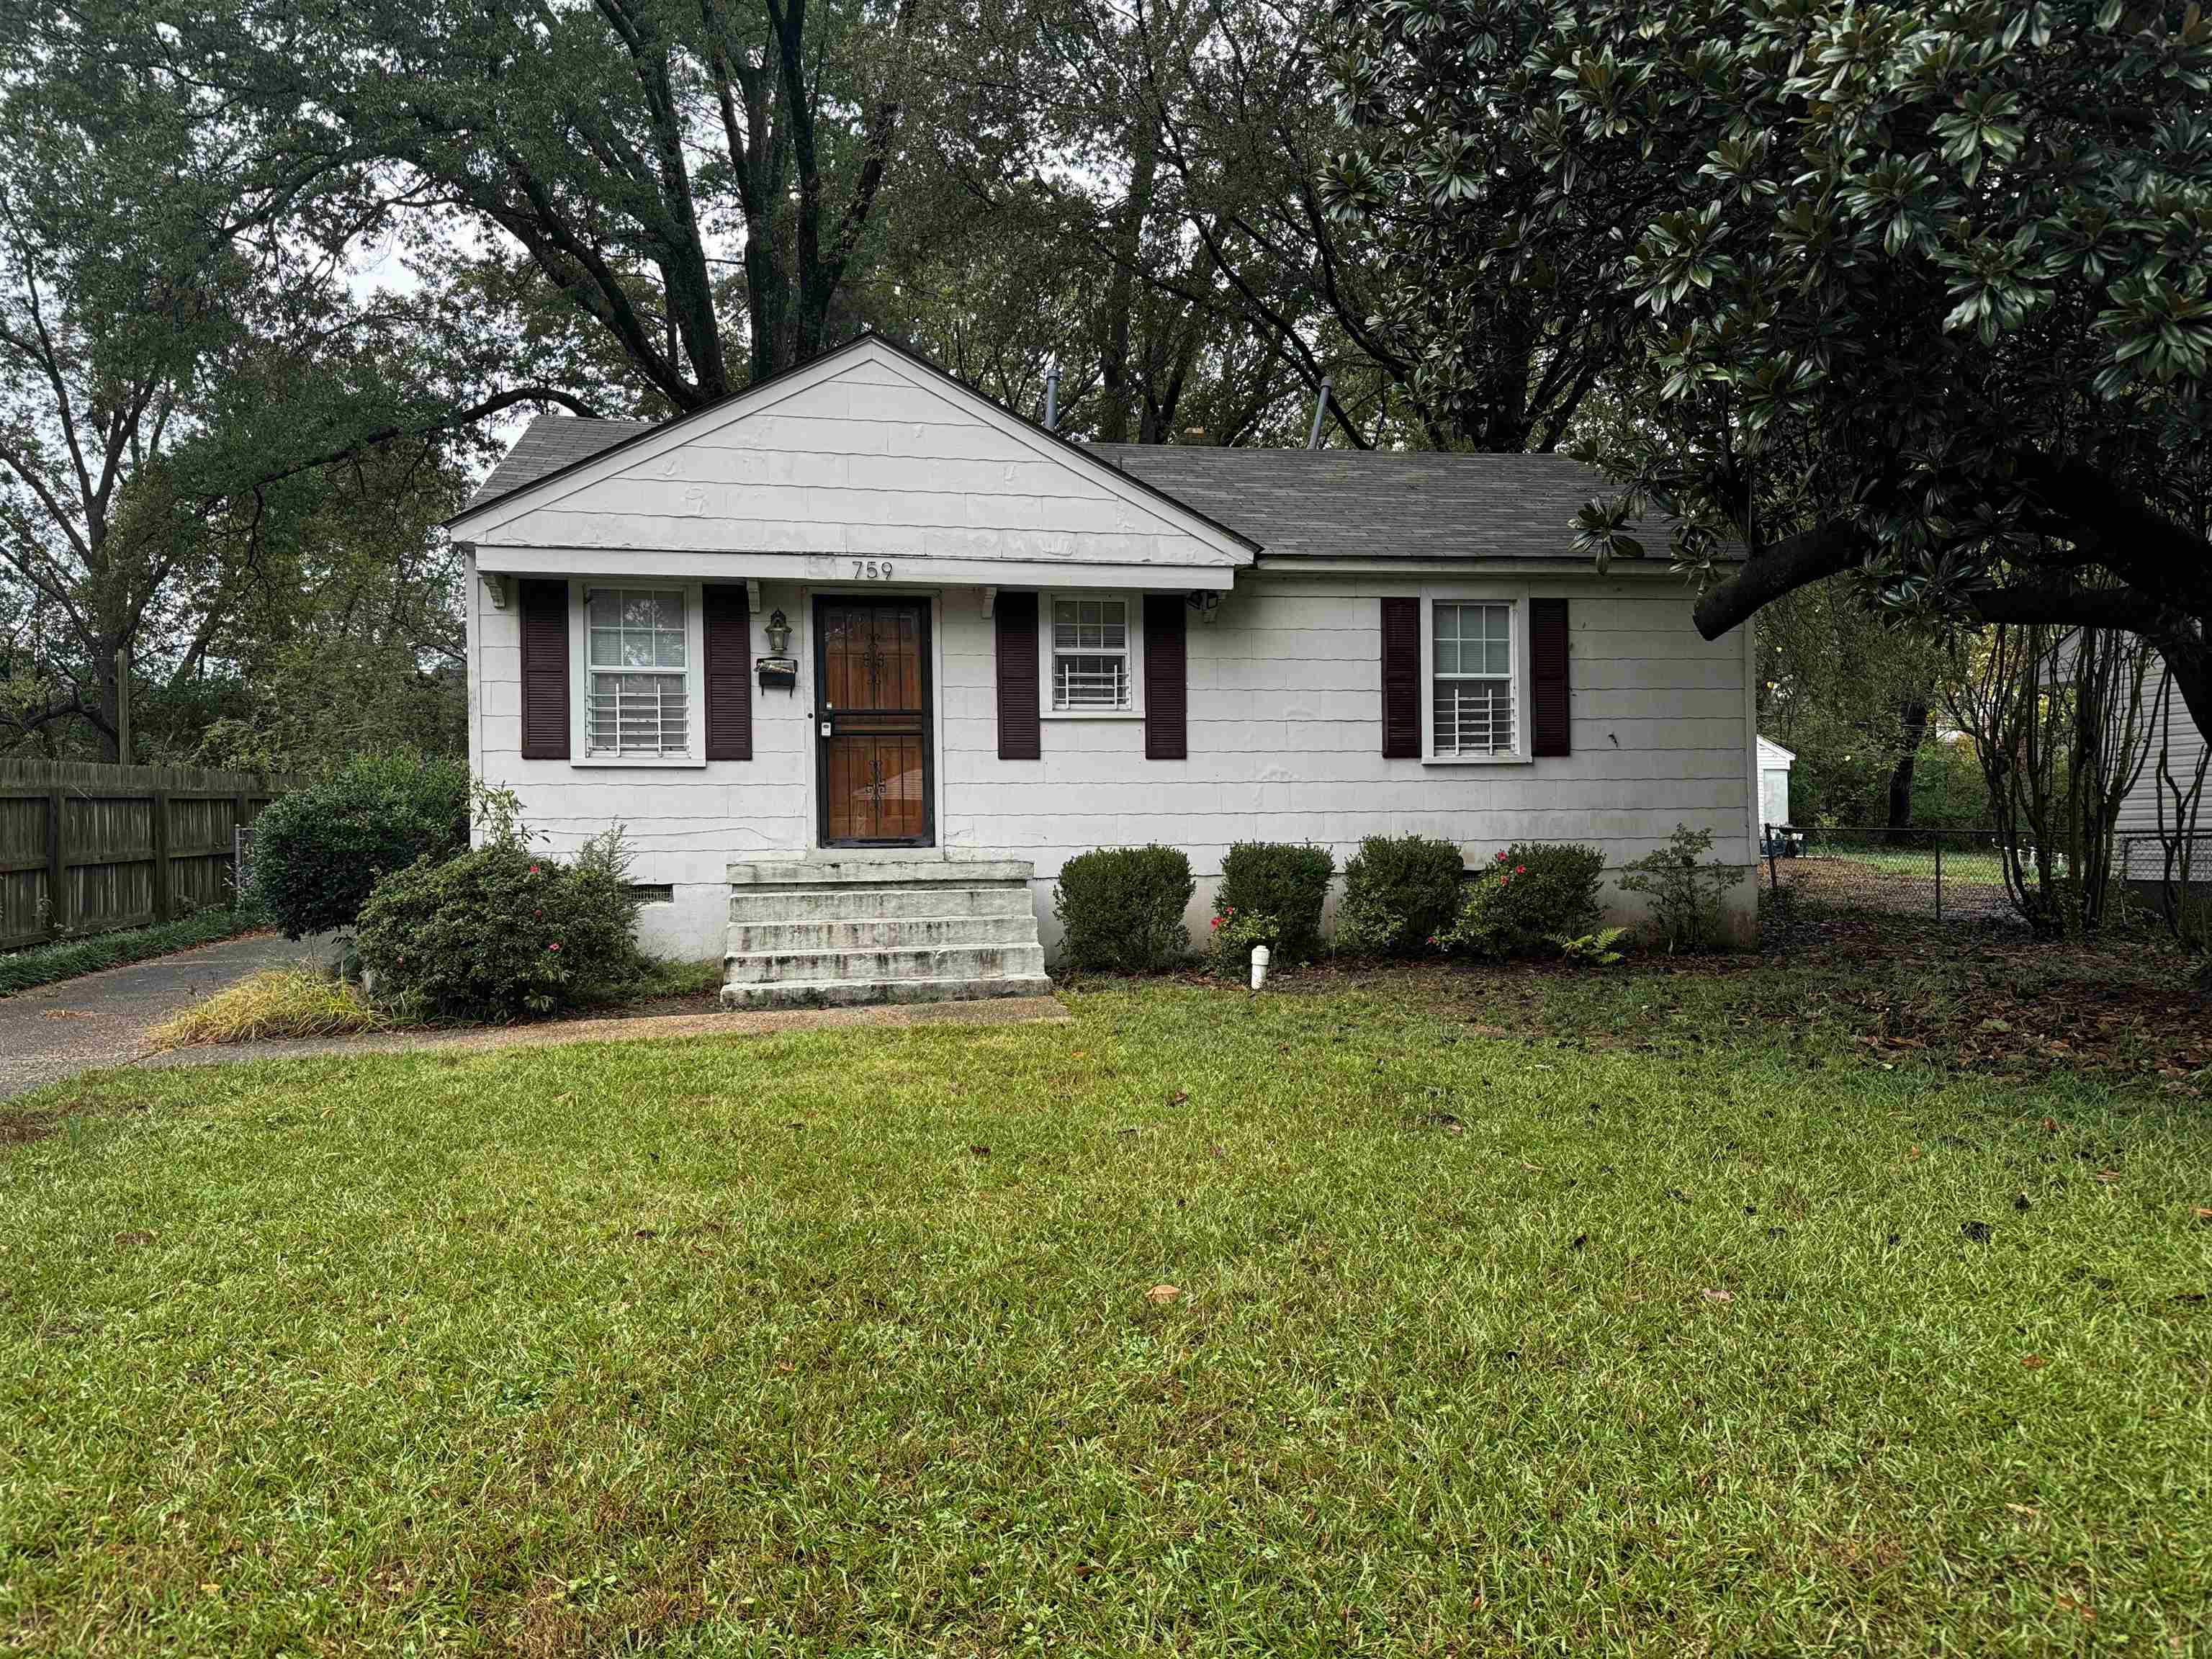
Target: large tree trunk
(1900,776)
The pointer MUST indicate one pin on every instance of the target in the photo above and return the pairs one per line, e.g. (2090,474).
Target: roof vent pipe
(1321,407)
(1052,398)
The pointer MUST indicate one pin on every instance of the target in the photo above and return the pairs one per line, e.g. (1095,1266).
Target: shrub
(281,1002)
(1122,908)
(318,851)
(1685,894)
(1289,884)
(1400,893)
(1235,933)
(499,933)
(1527,896)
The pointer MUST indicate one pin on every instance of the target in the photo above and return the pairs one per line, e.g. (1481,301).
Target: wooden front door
(871,721)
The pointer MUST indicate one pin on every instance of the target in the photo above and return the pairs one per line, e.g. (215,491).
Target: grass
(1671,1338)
(44,964)
(278,1002)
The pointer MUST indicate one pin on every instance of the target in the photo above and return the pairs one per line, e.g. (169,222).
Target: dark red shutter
(1167,695)
(1021,735)
(726,628)
(544,611)
(1401,679)
(1548,720)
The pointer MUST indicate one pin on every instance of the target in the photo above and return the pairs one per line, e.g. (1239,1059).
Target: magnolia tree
(1916,295)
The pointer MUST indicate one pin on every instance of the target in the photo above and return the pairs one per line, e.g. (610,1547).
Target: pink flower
(1520,869)
(535,871)
(555,945)
(1501,857)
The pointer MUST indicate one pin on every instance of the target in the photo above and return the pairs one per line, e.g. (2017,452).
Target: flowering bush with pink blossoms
(1521,901)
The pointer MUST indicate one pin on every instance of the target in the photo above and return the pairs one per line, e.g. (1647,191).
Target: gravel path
(55,1031)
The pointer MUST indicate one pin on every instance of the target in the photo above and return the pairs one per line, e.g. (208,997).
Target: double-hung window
(1091,646)
(637,667)
(1471,711)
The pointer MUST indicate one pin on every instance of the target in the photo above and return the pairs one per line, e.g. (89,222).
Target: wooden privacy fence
(86,847)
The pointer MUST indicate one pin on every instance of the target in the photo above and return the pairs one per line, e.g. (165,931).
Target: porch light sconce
(1206,603)
(779,671)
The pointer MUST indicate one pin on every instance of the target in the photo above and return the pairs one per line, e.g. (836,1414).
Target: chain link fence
(1937,875)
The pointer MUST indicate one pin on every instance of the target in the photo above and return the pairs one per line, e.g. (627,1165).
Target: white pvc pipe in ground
(1260,960)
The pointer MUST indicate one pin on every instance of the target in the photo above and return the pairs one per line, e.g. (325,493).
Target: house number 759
(872,570)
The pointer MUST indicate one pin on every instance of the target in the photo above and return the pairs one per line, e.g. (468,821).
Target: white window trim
(1046,598)
(1517,599)
(580,677)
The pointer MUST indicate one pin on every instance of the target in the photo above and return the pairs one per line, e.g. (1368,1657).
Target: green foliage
(318,850)
(1236,932)
(1803,229)
(1524,900)
(1276,878)
(1598,950)
(1122,908)
(1685,894)
(498,933)
(1401,893)
(45,964)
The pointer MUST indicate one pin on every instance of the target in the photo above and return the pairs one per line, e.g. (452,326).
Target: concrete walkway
(990,1010)
(56,1031)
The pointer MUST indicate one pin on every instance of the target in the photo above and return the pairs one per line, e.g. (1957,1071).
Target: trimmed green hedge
(1401,893)
(501,932)
(318,850)
(1528,898)
(1288,883)
(1122,908)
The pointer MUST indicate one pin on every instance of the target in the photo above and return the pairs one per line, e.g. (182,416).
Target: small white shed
(1774,764)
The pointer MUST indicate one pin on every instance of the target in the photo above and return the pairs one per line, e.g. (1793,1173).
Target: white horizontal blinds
(1090,654)
(635,657)
(1474,679)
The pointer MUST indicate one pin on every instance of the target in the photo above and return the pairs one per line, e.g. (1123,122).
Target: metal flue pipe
(1052,398)
(1321,407)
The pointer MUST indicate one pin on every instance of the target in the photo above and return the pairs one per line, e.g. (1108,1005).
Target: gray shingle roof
(548,444)
(1294,503)
(1348,503)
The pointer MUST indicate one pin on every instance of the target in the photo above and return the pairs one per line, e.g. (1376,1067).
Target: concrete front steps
(851,928)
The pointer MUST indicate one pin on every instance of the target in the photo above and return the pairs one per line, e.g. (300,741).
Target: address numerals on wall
(872,570)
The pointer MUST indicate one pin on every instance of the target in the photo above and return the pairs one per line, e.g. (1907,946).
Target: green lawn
(840,1342)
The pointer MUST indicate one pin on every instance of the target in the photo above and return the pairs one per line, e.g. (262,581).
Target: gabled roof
(566,445)
(1772,753)
(1323,505)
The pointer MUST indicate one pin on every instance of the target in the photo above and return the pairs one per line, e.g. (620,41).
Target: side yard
(1389,1314)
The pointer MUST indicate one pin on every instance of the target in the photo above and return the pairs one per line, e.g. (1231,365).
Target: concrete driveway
(100,1019)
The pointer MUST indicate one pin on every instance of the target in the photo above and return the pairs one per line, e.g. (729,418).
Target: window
(637,698)
(1472,710)
(1091,670)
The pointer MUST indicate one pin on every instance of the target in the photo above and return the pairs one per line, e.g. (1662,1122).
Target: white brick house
(1006,646)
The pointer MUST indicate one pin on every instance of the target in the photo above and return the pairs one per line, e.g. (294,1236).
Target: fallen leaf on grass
(980,1151)
(1161,1295)
(2034,1362)
(2203,1216)
(1717,1295)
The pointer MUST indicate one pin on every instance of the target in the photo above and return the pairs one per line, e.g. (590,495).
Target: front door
(871,722)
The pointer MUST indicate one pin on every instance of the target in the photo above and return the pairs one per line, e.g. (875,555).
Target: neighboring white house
(2148,826)
(998,644)
(1774,764)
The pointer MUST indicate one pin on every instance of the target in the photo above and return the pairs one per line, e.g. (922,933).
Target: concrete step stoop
(847,929)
